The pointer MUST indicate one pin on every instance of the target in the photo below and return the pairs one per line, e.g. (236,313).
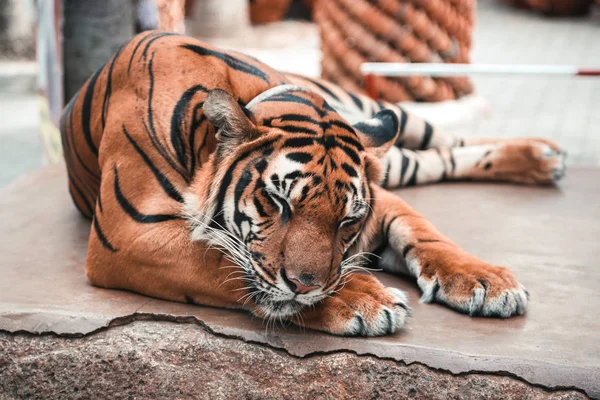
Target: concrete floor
(543,234)
(21,149)
(563,109)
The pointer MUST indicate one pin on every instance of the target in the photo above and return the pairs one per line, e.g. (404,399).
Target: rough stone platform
(62,338)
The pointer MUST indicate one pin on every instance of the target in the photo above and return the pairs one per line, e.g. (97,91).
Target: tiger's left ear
(379,133)
(232,121)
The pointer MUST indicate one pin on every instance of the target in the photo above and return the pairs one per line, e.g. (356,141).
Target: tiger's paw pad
(546,163)
(363,307)
(372,317)
(486,291)
(529,163)
(556,159)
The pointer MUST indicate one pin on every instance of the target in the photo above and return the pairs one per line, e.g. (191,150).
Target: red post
(588,72)
(371,87)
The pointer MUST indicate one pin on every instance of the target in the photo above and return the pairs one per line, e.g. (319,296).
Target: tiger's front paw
(363,307)
(477,289)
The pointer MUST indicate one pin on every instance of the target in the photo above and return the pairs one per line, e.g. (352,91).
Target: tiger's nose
(301,284)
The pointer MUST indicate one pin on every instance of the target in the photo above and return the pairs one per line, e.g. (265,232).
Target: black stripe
(275,181)
(445,172)
(430,241)
(86,112)
(74,178)
(296,118)
(260,209)
(389,226)
(108,91)
(69,141)
(77,204)
(228,177)
(324,88)
(105,242)
(390,325)
(345,126)
(151,34)
(243,182)
(83,198)
(304,193)
(403,120)
(427,136)
(403,168)
(164,182)
(132,211)
(178,120)
(296,129)
(152,131)
(196,156)
(291,98)
(300,157)
(298,142)
(351,153)
(407,249)
(232,62)
(99,200)
(156,37)
(387,175)
(436,286)
(351,141)
(356,100)
(349,170)
(413,178)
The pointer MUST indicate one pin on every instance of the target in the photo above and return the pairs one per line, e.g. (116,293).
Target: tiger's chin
(281,309)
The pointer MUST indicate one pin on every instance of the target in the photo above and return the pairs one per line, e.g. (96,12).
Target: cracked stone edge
(282,348)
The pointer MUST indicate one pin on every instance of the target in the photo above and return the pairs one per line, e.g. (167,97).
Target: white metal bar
(402,69)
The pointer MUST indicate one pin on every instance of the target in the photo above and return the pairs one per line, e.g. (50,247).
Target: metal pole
(439,70)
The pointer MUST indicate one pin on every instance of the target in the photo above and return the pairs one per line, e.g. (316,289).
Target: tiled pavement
(20,147)
(564,109)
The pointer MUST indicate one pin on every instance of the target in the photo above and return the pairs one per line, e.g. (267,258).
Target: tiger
(212,179)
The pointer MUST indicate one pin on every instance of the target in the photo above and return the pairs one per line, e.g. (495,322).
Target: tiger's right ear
(379,133)
(232,121)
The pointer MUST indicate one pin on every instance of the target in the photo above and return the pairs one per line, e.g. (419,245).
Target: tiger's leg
(415,132)
(516,160)
(418,134)
(445,273)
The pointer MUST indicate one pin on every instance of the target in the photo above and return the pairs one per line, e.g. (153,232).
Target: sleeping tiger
(213,179)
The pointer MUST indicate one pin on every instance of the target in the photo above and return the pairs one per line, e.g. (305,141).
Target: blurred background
(48,48)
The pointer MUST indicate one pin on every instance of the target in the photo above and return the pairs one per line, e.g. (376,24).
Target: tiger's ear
(232,121)
(379,133)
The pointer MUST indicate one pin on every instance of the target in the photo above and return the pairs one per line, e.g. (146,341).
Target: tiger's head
(289,192)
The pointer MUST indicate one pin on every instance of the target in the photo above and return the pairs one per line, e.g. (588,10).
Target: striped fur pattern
(213,179)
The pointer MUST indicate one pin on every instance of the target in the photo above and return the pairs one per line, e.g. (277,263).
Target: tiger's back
(146,102)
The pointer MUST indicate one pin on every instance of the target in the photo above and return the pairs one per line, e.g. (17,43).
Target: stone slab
(168,360)
(547,235)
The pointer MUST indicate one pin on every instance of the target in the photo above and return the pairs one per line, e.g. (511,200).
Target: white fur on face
(282,166)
